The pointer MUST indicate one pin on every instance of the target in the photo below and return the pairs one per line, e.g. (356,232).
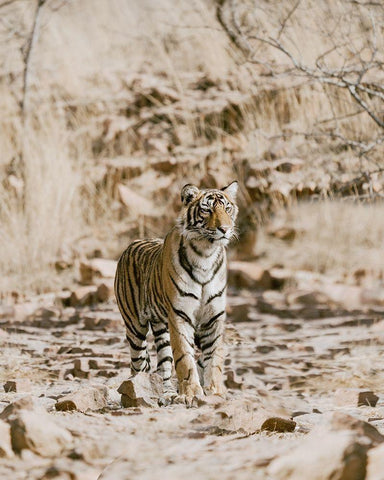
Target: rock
(322,456)
(34,430)
(281,277)
(243,416)
(24,403)
(91,398)
(233,381)
(288,166)
(239,312)
(354,397)
(282,233)
(83,296)
(307,298)
(81,368)
(19,385)
(142,390)
(372,296)
(105,291)
(136,203)
(375,467)
(342,421)
(95,269)
(248,275)
(5,440)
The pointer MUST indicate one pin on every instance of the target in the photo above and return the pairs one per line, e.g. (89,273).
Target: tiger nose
(223,228)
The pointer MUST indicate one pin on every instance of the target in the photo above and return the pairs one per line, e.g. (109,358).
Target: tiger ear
(188,193)
(231,190)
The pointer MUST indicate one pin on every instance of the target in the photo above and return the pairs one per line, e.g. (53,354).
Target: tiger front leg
(182,342)
(213,354)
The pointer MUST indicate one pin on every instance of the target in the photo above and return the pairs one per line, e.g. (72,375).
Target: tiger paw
(187,401)
(168,398)
(218,390)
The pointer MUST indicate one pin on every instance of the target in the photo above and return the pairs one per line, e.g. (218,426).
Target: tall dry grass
(84,53)
(333,236)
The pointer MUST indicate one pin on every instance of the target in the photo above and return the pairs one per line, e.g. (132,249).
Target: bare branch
(27,57)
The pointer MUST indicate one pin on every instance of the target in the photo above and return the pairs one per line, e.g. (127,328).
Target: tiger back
(178,288)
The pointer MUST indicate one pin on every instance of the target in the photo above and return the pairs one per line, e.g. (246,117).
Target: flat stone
(244,416)
(97,268)
(20,385)
(83,296)
(91,398)
(352,397)
(248,275)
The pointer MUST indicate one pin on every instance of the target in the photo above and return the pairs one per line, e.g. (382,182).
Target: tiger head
(209,214)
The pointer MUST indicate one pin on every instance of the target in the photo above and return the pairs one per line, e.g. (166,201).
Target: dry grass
(84,53)
(332,236)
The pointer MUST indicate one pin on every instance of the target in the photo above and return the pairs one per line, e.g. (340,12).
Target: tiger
(177,287)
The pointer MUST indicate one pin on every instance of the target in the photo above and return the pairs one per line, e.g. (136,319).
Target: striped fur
(178,288)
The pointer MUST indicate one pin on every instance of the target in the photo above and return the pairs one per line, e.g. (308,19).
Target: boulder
(24,403)
(5,440)
(141,390)
(335,450)
(322,456)
(243,416)
(91,398)
(36,431)
(375,467)
(96,268)
(83,296)
(249,275)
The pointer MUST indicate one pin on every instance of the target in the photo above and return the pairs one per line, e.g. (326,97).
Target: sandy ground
(289,362)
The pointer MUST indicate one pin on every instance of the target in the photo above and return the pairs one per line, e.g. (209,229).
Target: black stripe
(133,330)
(180,291)
(184,263)
(218,294)
(209,345)
(134,346)
(207,325)
(197,251)
(162,345)
(160,332)
(183,315)
(179,359)
(163,360)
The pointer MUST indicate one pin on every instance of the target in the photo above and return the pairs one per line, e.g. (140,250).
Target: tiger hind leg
(140,361)
(164,353)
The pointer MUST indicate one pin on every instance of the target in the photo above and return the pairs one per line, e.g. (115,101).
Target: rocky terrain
(108,108)
(303,373)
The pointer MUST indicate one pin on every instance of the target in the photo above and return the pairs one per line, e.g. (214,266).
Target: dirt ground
(290,362)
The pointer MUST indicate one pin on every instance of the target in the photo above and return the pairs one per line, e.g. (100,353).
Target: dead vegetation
(100,115)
